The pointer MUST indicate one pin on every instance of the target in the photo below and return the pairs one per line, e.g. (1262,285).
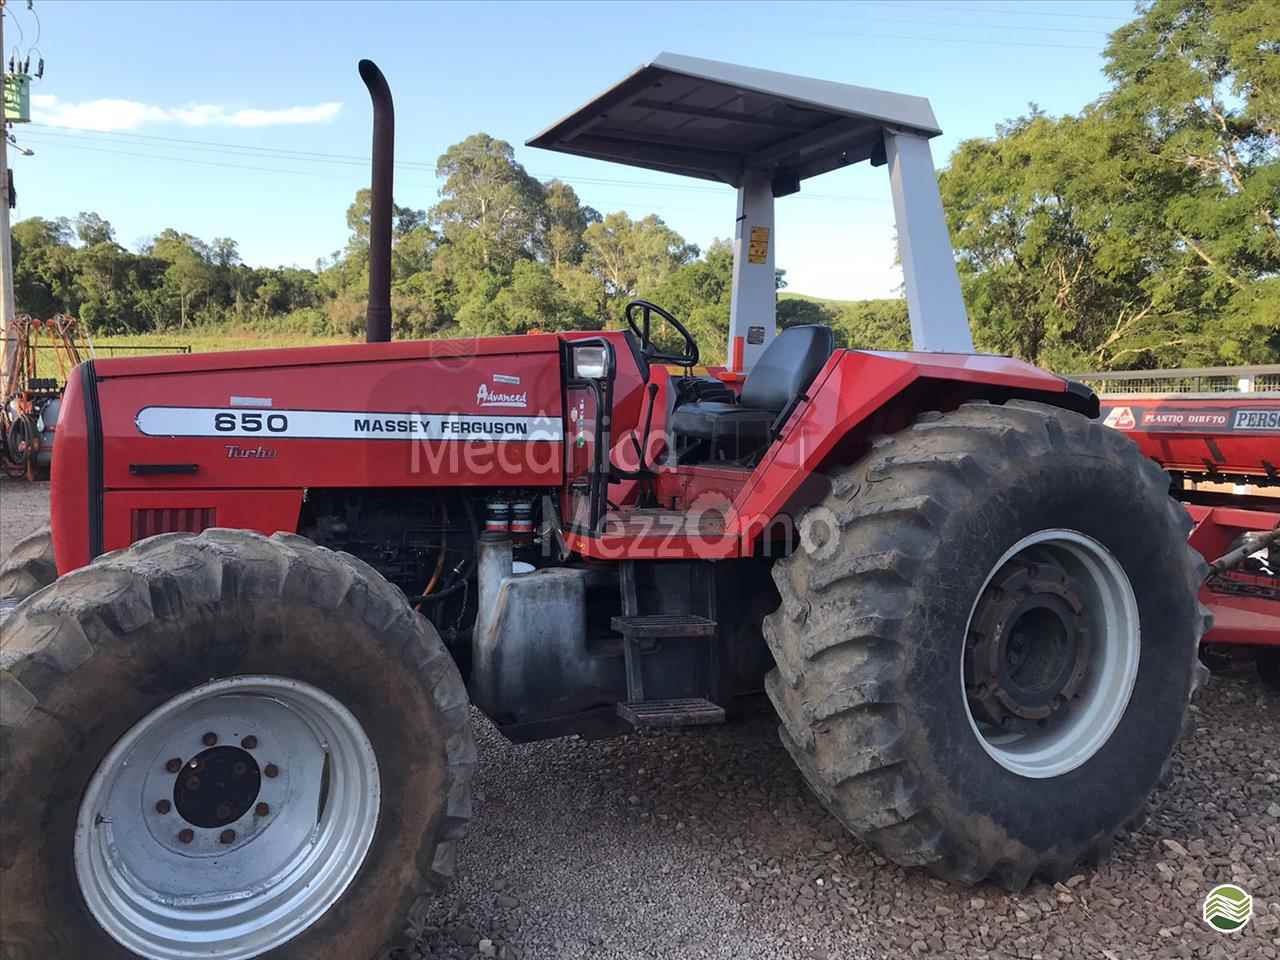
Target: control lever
(643,445)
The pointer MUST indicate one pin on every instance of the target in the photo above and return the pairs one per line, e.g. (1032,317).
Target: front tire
(28,567)
(1023,537)
(134,685)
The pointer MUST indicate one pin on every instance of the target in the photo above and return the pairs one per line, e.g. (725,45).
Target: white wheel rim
(1083,726)
(169,897)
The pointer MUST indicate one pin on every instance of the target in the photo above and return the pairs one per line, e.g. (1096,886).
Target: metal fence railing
(127,350)
(1264,378)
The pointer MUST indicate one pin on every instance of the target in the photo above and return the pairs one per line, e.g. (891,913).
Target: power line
(974,42)
(985,25)
(1023,10)
(62,134)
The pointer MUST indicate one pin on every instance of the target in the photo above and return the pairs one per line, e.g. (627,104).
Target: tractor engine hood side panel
(492,420)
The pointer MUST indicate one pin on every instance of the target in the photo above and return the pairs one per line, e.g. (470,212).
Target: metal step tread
(689,712)
(664,625)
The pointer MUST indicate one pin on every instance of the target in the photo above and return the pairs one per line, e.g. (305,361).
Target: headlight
(589,363)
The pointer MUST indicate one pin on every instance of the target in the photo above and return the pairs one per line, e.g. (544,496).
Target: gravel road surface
(24,508)
(707,844)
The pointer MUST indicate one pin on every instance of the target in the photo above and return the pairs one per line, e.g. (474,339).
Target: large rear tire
(28,567)
(134,687)
(987,641)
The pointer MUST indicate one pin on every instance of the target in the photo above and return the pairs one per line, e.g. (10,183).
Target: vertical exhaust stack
(378,315)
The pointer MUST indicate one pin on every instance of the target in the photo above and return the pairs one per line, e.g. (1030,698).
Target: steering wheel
(641,329)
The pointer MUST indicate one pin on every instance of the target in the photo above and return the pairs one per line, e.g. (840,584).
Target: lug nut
(250,742)
(227,836)
(262,809)
(193,782)
(239,769)
(224,811)
(174,765)
(186,836)
(163,806)
(271,770)
(209,739)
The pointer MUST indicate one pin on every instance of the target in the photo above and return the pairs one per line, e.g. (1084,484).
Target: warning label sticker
(758,250)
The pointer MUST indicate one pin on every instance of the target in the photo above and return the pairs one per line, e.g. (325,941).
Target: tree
(189,272)
(404,220)
(92,229)
(43,274)
(1143,231)
(490,206)
(562,224)
(626,255)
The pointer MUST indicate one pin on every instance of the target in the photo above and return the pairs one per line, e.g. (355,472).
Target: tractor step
(655,626)
(690,712)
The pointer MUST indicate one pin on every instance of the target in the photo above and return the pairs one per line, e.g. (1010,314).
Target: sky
(248,120)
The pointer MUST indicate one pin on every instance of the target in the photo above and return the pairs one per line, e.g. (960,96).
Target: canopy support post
(934,302)
(753,297)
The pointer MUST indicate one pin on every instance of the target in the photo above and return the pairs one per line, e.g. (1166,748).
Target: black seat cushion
(717,422)
(780,376)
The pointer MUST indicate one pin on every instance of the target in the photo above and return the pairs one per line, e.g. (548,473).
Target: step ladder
(643,633)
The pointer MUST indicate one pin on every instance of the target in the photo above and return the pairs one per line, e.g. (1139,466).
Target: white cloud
(107,115)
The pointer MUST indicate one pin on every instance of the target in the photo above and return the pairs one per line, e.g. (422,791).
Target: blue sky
(248,120)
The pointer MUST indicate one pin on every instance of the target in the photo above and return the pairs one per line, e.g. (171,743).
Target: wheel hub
(1028,644)
(1051,653)
(217,787)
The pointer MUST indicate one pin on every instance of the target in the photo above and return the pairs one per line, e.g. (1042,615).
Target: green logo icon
(1227,907)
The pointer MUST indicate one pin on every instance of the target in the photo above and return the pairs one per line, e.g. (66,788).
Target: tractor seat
(777,381)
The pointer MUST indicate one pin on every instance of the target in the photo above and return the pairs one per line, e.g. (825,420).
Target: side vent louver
(149,522)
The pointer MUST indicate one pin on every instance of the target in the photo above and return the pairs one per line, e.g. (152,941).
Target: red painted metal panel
(131,515)
(457,352)
(69,476)
(1246,620)
(1228,435)
(1238,617)
(391,392)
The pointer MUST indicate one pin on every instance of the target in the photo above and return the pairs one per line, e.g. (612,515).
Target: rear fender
(860,394)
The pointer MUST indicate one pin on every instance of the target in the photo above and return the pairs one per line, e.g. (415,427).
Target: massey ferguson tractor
(237,724)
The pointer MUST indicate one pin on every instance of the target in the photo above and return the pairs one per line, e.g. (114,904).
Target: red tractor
(238,723)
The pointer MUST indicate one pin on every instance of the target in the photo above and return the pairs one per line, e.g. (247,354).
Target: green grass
(784,295)
(200,341)
(205,341)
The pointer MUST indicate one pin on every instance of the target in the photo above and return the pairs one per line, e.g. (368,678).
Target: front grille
(149,522)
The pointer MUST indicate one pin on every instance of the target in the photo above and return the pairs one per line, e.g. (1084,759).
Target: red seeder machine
(1223,452)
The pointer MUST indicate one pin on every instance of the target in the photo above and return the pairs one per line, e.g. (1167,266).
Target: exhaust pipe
(377,320)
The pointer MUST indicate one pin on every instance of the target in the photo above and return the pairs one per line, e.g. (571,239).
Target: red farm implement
(1217,432)
(33,394)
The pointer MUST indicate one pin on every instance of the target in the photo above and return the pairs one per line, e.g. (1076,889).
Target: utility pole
(8,310)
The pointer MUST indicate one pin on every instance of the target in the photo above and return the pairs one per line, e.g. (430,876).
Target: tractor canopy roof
(712,120)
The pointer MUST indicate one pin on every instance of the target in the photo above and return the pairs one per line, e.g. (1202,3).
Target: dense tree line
(1142,232)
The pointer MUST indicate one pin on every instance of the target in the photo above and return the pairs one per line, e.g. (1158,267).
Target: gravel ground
(707,844)
(24,508)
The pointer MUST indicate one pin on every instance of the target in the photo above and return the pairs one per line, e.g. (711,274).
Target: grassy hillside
(200,341)
(865,324)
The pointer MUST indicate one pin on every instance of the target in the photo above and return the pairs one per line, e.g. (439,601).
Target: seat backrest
(787,367)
